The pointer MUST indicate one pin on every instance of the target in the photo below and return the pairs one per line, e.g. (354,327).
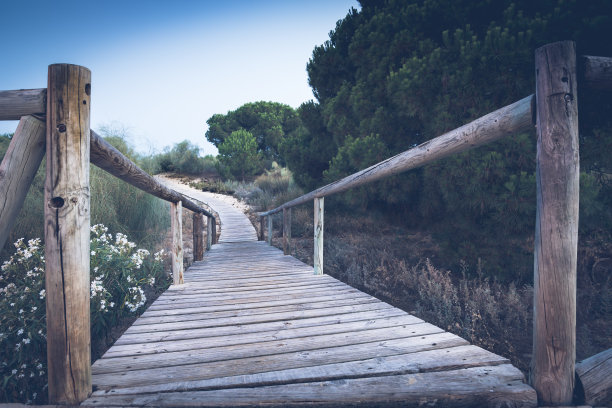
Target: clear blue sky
(160,69)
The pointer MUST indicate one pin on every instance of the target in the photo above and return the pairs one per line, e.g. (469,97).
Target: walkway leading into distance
(254,327)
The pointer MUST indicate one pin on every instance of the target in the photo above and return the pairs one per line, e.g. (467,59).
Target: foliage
(238,155)
(113,202)
(398,73)
(120,274)
(183,158)
(268,122)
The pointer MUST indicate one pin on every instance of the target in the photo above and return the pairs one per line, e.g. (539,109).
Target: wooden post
(214,230)
(270,231)
(209,232)
(286,231)
(67,234)
(198,236)
(556,234)
(176,216)
(261,229)
(318,235)
(18,168)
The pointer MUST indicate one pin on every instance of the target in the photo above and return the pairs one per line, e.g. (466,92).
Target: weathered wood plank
(556,234)
(399,356)
(507,121)
(478,386)
(595,378)
(67,234)
(19,165)
(22,102)
(287,231)
(161,367)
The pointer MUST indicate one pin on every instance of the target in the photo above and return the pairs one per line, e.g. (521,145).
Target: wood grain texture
(595,378)
(67,234)
(287,231)
(176,221)
(597,72)
(19,165)
(319,211)
(556,235)
(198,236)
(270,229)
(507,121)
(252,326)
(209,232)
(22,102)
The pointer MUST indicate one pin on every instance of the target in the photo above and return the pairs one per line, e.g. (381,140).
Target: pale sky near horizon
(160,69)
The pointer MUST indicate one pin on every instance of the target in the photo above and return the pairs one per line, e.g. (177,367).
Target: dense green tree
(397,73)
(238,155)
(268,122)
(183,158)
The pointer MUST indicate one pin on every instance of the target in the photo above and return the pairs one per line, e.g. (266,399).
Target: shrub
(183,158)
(119,276)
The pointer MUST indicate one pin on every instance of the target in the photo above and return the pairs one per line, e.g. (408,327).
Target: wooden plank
(326,365)
(231,330)
(597,72)
(285,341)
(238,319)
(270,230)
(556,234)
(293,307)
(318,235)
(507,121)
(477,386)
(595,378)
(260,235)
(67,234)
(209,233)
(19,165)
(22,102)
(140,369)
(198,236)
(176,218)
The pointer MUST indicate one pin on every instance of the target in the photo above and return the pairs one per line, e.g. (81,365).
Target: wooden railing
(55,121)
(554,112)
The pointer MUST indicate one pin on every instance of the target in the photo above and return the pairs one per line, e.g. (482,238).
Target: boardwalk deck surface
(252,327)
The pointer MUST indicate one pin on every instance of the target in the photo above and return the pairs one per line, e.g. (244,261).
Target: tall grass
(269,190)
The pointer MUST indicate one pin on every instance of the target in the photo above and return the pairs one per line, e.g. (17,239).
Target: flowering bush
(120,273)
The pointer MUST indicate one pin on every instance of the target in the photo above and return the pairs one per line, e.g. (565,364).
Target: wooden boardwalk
(253,327)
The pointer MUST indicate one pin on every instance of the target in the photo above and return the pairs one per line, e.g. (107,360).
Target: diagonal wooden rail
(252,326)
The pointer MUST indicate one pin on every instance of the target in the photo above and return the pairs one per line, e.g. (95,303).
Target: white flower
(42,294)
(93,253)
(13,371)
(20,332)
(26,341)
(159,256)
(20,311)
(39,366)
(34,308)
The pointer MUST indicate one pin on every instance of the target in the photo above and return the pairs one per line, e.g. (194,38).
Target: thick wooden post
(556,234)
(270,230)
(67,234)
(198,236)
(214,230)
(286,231)
(176,216)
(318,235)
(209,232)
(261,229)
(18,168)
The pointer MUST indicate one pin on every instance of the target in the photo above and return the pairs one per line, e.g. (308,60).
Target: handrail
(22,102)
(509,120)
(108,158)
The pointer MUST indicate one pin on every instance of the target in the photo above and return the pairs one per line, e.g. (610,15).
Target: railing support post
(286,231)
(261,229)
(270,231)
(214,229)
(198,236)
(556,234)
(209,232)
(318,235)
(18,168)
(67,223)
(176,216)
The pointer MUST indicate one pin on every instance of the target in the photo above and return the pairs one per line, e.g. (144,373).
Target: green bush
(120,275)
(183,158)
